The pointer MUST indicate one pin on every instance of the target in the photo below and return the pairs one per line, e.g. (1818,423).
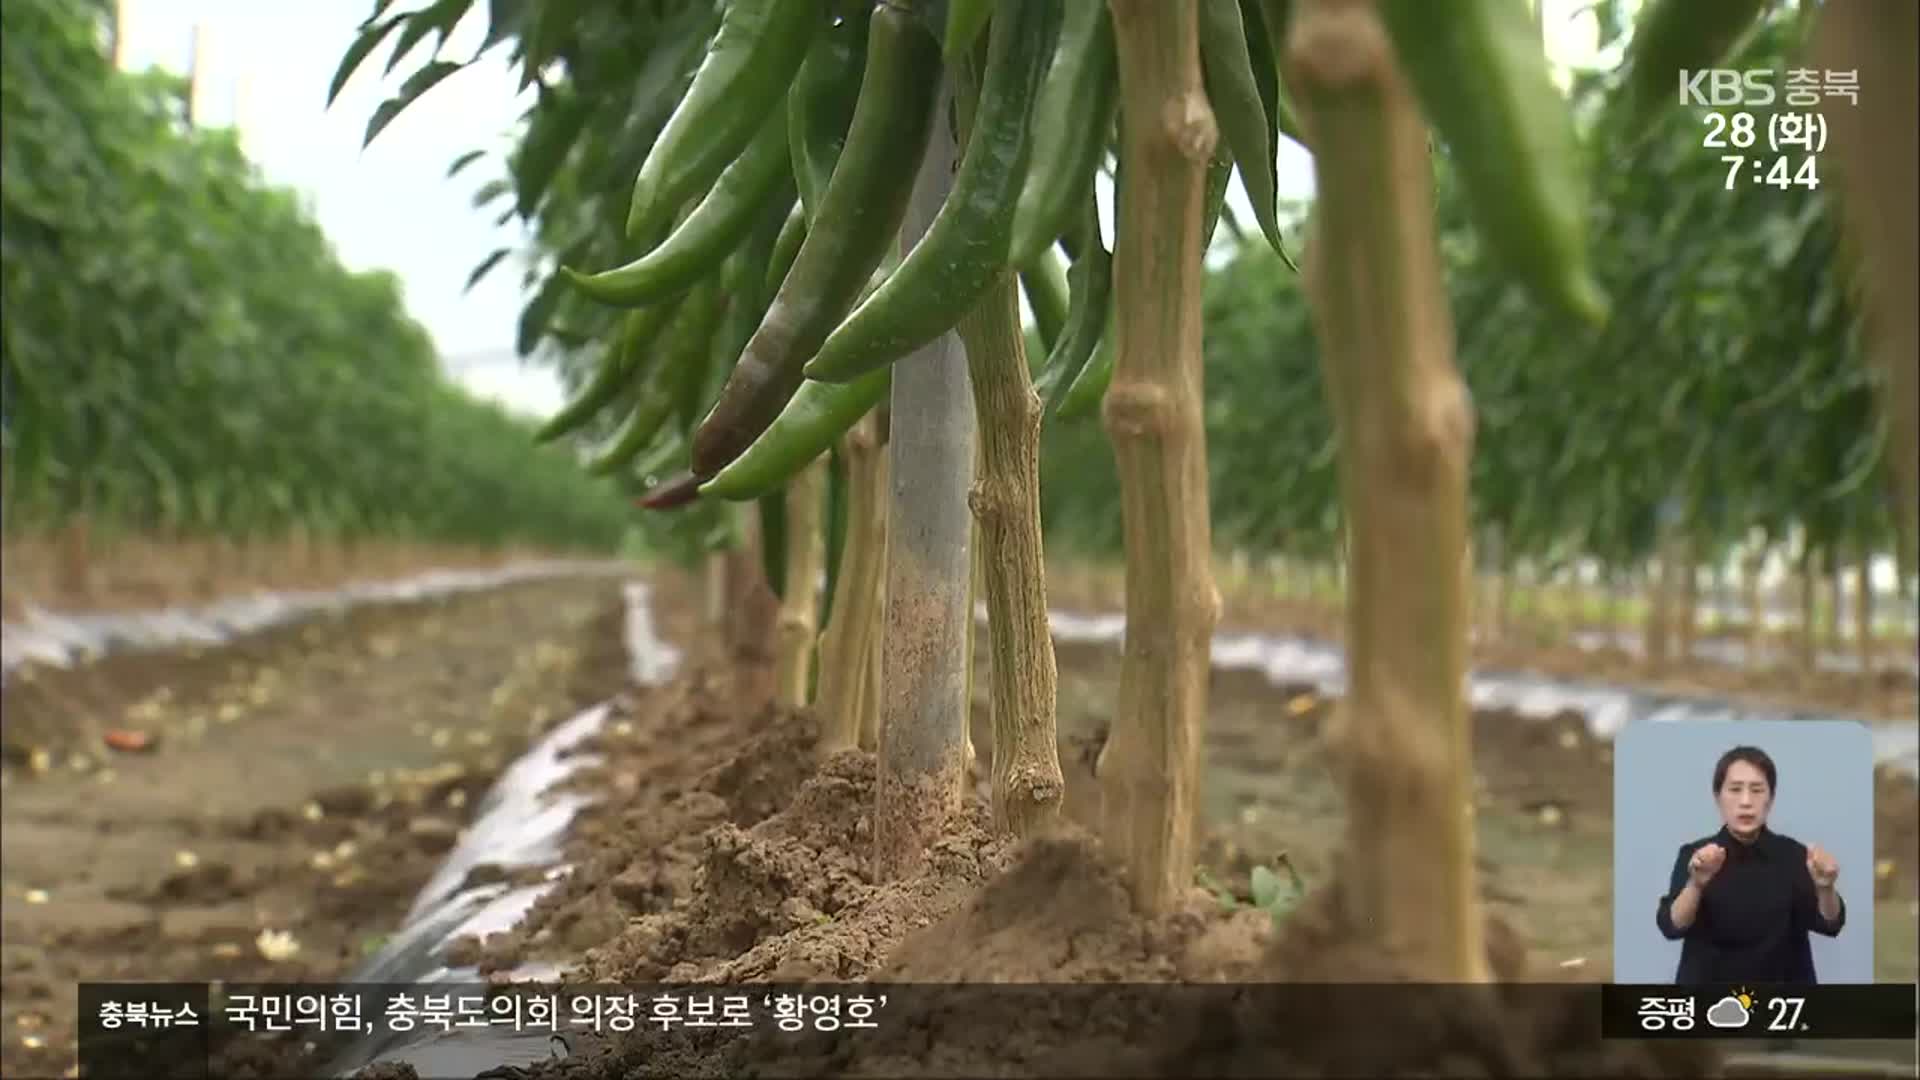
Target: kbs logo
(1726,87)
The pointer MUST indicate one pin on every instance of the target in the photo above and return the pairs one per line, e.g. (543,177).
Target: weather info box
(1759,1011)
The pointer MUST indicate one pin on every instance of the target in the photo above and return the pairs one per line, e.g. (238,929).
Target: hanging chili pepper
(966,247)
(859,219)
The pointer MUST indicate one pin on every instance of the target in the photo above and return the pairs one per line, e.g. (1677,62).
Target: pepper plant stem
(1150,768)
(799,607)
(1406,878)
(1028,785)
(846,648)
(930,463)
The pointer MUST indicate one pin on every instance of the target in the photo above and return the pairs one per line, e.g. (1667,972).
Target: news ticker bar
(187,1030)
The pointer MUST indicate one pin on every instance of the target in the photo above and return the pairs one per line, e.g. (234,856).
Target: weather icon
(1732,1011)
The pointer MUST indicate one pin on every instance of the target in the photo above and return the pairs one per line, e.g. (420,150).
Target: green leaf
(505,18)
(379,8)
(486,266)
(439,17)
(557,122)
(417,84)
(368,40)
(463,161)
(1266,887)
(490,191)
(538,314)
(541,41)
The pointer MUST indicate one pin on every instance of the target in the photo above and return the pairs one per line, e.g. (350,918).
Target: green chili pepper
(661,459)
(702,362)
(836,527)
(1072,123)
(608,378)
(637,332)
(1674,35)
(764,244)
(1266,73)
(1069,244)
(792,234)
(1083,397)
(1091,285)
(859,219)
(672,493)
(1071,399)
(1480,74)
(762,172)
(700,392)
(1237,104)
(965,20)
(1219,171)
(966,247)
(773,539)
(685,349)
(1274,17)
(746,295)
(650,411)
(818,414)
(744,279)
(1048,293)
(820,105)
(747,70)
(698,388)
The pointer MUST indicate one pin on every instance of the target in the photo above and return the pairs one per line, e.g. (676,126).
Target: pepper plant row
(801,134)
(1585,442)
(792,150)
(182,352)
(724,185)
(765,91)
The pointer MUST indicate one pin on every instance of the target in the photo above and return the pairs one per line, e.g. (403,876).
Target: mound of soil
(1062,886)
(728,856)
(726,853)
(1514,1028)
(721,851)
(1058,913)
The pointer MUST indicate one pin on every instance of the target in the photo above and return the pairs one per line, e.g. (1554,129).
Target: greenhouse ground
(309,780)
(303,782)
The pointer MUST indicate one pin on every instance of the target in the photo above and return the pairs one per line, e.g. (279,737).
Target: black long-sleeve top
(1753,917)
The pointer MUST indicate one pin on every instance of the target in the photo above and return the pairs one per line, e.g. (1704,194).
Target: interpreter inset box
(1743,853)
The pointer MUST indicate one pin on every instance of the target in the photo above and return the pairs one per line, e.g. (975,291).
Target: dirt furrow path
(301,789)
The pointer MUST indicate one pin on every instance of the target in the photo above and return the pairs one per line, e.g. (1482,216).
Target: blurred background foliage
(1728,390)
(184,354)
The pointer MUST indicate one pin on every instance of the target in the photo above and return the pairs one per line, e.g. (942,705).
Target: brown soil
(723,856)
(305,782)
(733,861)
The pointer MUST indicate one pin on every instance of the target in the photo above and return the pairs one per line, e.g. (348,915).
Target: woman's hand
(1821,867)
(1707,862)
